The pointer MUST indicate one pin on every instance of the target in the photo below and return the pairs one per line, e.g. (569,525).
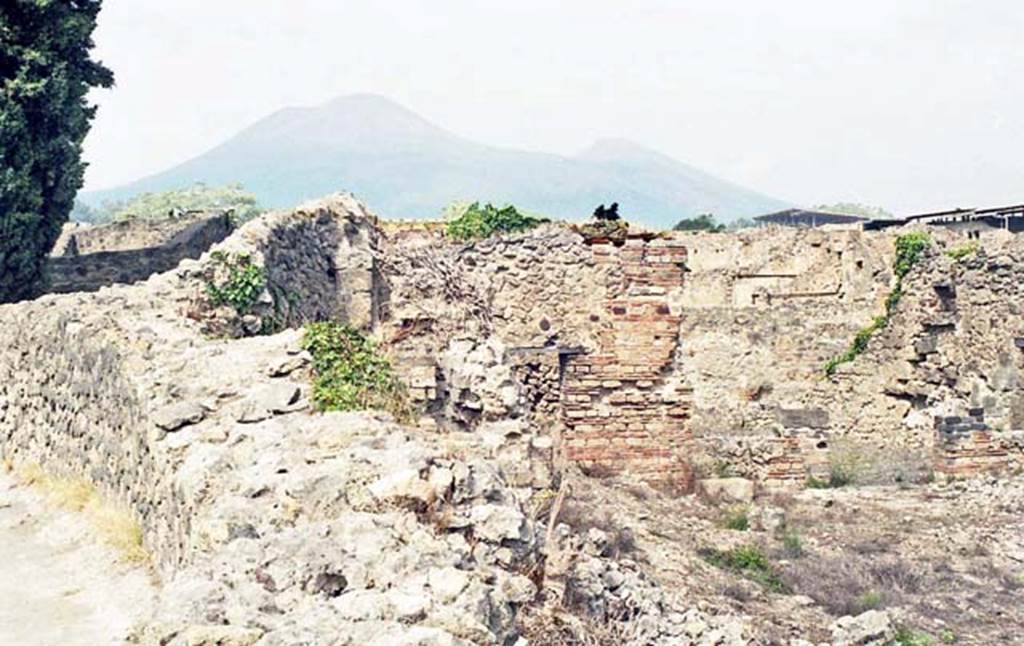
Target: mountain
(403,166)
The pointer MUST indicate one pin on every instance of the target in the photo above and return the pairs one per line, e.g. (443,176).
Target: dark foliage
(704,222)
(45,71)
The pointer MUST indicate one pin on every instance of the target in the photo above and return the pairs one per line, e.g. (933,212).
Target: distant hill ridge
(404,166)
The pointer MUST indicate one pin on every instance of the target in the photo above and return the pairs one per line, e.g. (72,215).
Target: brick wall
(619,413)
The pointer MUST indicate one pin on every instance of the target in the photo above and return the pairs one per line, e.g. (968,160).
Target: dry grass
(118,528)
(582,517)
(543,627)
(114,524)
(850,583)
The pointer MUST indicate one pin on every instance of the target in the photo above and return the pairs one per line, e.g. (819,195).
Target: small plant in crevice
(962,251)
(748,560)
(909,248)
(484,221)
(906,636)
(241,289)
(350,373)
(736,519)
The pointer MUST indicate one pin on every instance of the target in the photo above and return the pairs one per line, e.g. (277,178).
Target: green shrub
(243,286)
(909,248)
(747,560)
(484,221)
(736,519)
(908,637)
(350,373)
(962,251)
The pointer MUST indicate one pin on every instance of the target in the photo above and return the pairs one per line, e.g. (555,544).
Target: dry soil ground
(59,586)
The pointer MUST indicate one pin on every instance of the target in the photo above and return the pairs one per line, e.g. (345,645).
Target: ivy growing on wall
(962,251)
(244,283)
(909,248)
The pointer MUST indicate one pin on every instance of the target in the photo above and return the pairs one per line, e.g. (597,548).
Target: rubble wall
(109,257)
(94,384)
(702,345)
(125,235)
(950,363)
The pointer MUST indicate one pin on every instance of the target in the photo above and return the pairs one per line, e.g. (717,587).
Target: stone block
(728,490)
(175,416)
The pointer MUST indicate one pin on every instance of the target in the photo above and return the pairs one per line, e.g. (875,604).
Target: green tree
(45,73)
(741,223)
(703,222)
(198,197)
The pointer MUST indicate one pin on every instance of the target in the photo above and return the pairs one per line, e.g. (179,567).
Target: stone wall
(99,256)
(653,355)
(268,520)
(951,362)
(98,384)
(620,411)
(125,235)
(705,345)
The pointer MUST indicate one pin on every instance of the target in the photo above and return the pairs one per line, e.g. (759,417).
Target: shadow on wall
(323,268)
(91,271)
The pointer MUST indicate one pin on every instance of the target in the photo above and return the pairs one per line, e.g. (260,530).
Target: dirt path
(58,585)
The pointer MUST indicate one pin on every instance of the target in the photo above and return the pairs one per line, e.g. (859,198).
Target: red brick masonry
(619,414)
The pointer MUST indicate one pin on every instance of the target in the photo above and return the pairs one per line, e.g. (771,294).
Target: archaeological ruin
(531,360)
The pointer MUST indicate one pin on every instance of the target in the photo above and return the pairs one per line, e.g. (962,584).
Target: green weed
(350,373)
(749,561)
(244,283)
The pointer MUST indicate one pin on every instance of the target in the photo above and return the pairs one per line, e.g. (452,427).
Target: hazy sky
(910,104)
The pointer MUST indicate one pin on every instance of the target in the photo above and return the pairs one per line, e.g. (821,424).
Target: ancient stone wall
(589,321)
(125,235)
(708,345)
(950,363)
(268,520)
(98,384)
(127,252)
(619,410)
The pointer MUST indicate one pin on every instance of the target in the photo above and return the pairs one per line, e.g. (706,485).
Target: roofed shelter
(807,218)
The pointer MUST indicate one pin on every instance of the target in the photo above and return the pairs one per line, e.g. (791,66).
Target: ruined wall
(319,261)
(268,521)
(586,329)
(125,235)
(619,409)
(99,256)
(99,384)
(707,346)
(950,363)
